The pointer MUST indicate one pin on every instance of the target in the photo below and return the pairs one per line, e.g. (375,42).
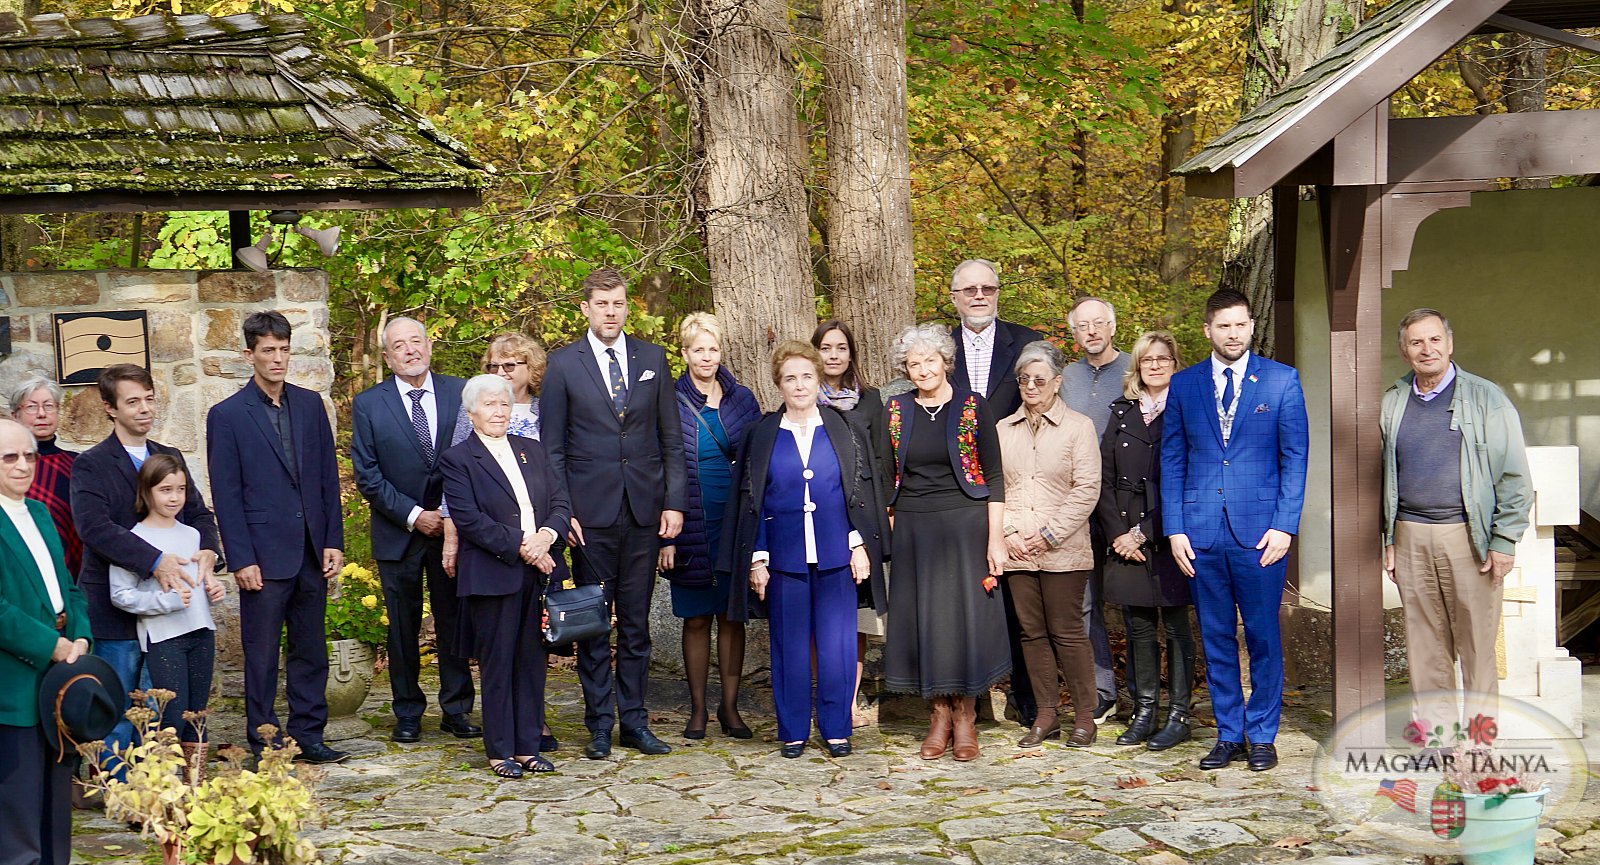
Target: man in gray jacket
(1456,502)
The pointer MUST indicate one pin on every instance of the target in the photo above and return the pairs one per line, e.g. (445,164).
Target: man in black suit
(399,428)
(611,428)
(103,489)
(986,350)
(270,451)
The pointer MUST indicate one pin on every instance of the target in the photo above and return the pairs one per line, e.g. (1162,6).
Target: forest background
(1037,134)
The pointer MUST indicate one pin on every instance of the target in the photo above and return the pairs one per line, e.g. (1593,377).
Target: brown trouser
(1452,611)
(1049,607)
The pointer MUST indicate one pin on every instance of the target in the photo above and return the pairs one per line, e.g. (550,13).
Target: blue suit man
(270,451)
(1233,479)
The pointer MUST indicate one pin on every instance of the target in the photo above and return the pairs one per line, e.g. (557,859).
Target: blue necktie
(619,388)
(1227,388)
(419,422)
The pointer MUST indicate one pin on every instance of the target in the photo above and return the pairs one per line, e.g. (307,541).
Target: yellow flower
(386,620)
(370,602)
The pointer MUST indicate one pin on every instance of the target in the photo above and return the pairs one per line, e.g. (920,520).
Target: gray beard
(977,323)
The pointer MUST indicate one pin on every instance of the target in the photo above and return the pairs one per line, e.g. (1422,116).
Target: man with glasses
(986,355)
(36,404)
(398,429)
(1088,386)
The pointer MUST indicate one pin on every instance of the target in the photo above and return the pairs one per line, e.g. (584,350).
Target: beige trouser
(1452,611)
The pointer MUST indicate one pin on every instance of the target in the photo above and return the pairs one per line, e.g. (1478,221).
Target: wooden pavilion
(1376,180)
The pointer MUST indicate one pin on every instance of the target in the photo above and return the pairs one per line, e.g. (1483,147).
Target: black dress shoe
(792,750)
(645,742)
(460,725)
(407,730)
(739,732)
(599,746)
(548,743)
(1223,754)
(320,753)
(1262,758)
(837,749)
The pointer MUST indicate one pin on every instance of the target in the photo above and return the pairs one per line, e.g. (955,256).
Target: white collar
(1239,366)
(792,426)
(600,348)
(406,389)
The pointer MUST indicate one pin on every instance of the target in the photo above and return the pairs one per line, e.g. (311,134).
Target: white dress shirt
(979,346)
(430,407)
(604,361)
(1226,413)
(804,434)
(17,510)
(500,449)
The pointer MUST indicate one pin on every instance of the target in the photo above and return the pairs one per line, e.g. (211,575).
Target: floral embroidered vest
(961,433)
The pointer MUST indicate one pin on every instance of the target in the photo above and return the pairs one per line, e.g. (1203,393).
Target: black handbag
(576,614)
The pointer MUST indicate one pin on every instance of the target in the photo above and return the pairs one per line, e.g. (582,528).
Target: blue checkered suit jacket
(1254,483)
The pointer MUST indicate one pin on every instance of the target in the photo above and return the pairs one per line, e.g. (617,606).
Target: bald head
(16,473)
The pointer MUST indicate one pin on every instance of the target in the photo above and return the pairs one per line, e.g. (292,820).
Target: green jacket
(27,622)
(1494,462)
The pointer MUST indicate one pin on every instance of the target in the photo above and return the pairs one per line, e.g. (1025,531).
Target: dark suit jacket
(484,508)
(598,455)
(27,620)
(1004,398)
(868,515)
(1130,495)
(265,513)
(104,485)
(391,469)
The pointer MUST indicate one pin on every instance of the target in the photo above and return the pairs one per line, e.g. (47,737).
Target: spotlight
(326,239)
(255,257)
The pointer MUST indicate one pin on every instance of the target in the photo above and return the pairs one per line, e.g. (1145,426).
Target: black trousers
(402,593)
(183,665)
(623,557)
(301,603)
(511,663)
(36,820)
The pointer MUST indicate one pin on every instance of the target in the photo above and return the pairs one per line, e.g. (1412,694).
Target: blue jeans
(127,659)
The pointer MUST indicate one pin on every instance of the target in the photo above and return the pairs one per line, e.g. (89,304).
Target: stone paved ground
(724,800)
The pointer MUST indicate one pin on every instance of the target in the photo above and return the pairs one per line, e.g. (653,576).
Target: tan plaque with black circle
(88,342)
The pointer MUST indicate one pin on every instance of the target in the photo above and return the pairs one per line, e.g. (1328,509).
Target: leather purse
(576,614)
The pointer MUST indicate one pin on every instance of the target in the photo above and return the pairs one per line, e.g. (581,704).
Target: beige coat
(1052,480)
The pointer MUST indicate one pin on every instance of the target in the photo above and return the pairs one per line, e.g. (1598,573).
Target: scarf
(843,399)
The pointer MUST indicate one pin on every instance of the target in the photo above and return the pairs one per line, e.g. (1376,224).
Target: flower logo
(1416,732)
(1483,730)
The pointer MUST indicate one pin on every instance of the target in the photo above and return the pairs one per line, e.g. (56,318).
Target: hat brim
(58,674)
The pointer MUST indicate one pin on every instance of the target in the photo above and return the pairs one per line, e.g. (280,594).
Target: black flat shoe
(1262,758)
(837,749)
(508,769)
(537,765)
(599,746)
(460,726)
(691,731)
(321,754)
(645,742)
(1223,754)
(407,730)
(739,732)
(792,750)
(548,743)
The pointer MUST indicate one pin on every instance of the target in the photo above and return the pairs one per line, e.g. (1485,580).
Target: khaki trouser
(1452,612)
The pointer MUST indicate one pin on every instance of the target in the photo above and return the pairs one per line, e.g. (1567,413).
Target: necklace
(933,413)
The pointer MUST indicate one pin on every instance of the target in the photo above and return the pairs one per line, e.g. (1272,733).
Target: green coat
(27,632)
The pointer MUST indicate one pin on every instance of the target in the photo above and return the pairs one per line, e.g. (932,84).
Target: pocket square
(1263,408)
(647,375)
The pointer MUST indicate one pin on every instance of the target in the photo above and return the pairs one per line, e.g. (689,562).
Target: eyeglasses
(40,408)
(1037,381)
(508,366)
(1097,324)
(1155,362)
(10,459)
(975,290)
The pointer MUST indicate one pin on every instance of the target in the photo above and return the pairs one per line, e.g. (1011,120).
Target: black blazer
(488,521)
(595,452)
(265,513)
(104,485)
(1130,495)
(391,469)
(857,470)
(1004,398)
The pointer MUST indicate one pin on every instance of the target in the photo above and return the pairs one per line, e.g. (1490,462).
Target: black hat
(79,702)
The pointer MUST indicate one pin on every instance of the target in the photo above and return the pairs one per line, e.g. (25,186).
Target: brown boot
(965,710)
(194,763)
(939,721)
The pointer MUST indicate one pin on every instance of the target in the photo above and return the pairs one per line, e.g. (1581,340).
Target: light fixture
(255,257)
(326,239)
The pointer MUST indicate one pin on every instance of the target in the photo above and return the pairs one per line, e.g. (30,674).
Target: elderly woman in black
(808,530)
(510,514)
(947,622)
(1140,572)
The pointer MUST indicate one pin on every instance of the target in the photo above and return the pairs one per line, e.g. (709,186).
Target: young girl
(175,628)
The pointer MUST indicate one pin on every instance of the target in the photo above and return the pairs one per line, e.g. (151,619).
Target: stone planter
(350,669)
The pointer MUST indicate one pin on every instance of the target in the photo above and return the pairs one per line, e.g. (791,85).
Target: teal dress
(712,447)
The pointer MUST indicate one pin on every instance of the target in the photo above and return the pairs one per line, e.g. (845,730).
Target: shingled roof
(246,112)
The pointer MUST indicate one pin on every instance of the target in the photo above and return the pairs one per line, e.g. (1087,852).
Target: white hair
(993,268)
(922,337)
(1072,314)
(1043,352)
(480,386)
(21,392)
(383,338)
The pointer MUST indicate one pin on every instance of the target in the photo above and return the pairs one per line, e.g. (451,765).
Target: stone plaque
(87,342)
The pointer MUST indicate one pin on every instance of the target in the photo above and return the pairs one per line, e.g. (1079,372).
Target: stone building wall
(195,339)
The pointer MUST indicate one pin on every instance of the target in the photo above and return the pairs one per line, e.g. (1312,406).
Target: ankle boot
(1176,730)
(939,729)
(1180,687)
(965,712)
(1144,684)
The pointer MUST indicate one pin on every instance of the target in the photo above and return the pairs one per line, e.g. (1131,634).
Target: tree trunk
(1527,82)
(1177,139)
(1284,38)
(869,174)
(749,193)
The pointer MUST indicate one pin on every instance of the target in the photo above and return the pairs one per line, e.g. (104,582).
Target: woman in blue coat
(809,528)
(713,410)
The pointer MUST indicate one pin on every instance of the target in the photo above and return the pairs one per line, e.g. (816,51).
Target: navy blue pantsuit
(817,607)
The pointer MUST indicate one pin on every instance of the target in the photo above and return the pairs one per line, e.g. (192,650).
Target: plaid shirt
(52,478)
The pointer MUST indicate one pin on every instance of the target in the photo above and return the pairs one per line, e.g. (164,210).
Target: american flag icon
(1402,793)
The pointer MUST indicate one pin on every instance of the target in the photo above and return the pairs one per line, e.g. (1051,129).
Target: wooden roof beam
(1547,34)
(1491,146)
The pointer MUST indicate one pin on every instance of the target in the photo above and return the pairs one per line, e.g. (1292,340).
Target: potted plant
(357,625)
(237,815)
(1500,823)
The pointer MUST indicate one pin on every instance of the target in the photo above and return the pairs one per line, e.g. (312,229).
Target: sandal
(537,765)
(506,768)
